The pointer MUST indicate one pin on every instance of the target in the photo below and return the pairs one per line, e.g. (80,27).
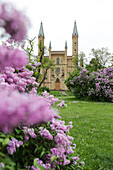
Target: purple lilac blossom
(2,165)
(22,108)
(62,104)
(13,21)
(10,57)
(29,131)
(19,81)
(50,98)
(46,134)
(12,145)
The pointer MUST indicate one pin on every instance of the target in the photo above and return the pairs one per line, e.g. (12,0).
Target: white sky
(94,22)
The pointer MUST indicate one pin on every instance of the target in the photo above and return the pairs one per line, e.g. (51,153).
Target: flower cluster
(94,86)
(45,133)
(29,131)
(59,154)
(21,80)
(12,145)
(33,65)
(10,57)
(2,165)
(57,149)
(14,22)
(103,87)
(62,104)
(22,108)
(50,98)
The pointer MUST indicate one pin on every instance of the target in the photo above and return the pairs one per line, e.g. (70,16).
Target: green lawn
(92,132)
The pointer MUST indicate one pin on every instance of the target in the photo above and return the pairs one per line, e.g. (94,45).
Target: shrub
(94,86)
(47,146)
(42,89)
(32,136)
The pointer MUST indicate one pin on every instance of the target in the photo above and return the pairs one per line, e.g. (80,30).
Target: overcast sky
(94,22)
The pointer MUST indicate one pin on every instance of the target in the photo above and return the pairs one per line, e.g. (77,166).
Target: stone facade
(63,63)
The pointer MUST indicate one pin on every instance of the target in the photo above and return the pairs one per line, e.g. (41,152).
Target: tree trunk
(43,78)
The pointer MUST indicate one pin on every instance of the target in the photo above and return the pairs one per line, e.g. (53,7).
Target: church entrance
(57,84)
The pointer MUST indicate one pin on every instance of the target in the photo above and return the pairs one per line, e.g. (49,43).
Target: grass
(59,93)
(92,132)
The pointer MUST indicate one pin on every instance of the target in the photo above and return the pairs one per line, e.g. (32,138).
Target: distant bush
(42,89)
(93,86)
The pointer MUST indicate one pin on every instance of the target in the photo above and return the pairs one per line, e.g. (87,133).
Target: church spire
(75,32)
(50,44)
(41,32)
(65,44)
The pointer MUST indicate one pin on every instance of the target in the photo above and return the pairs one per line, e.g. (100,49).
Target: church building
(63,63)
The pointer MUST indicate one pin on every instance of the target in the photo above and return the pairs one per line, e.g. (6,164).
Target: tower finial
(41,32)
(65,44)
(75,32)
(50,45)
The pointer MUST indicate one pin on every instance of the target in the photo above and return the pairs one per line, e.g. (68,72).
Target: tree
(45,63)
(94,65)
(75,61)
(81,58)
(102,55)
(100,59)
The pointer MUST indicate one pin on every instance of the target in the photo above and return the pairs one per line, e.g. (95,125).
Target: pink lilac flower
(82,163)
(62,104)
(50,98)
(14,22)
(75,162)
(22,108)
(29,131)
(46,134)
(2,165)
(38,64)
(76,158)
(22,81)
(10,57)
(12,145)
(35,168)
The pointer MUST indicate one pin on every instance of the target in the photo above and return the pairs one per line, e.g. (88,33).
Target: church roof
(75,32)
(41,32)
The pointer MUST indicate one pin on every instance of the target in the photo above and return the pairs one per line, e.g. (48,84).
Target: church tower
(40,38)
(75,43)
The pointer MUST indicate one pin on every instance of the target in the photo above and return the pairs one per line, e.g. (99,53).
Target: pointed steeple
(50,44)
(75,32)
(41,32)
(65,44)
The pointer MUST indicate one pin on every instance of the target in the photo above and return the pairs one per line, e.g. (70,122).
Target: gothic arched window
(57,61)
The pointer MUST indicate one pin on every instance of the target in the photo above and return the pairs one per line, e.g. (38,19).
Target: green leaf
(2,135)
(42,153)
(53,158)
(37,165)
(6,141)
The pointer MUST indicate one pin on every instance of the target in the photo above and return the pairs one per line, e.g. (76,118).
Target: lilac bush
(103,89)
(32,136)
(55,153)
(94,86)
